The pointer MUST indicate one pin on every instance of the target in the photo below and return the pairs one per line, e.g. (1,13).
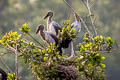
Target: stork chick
(52,26)
(48,37)
(77,26)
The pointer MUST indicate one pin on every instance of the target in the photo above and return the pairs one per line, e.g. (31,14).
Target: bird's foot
(70,57)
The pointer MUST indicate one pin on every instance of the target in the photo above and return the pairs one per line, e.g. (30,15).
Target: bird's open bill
(37,31)
(50,13)
(46,16)
(39,28)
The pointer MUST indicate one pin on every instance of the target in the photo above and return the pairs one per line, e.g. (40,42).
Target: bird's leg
(63,50)
(72,52)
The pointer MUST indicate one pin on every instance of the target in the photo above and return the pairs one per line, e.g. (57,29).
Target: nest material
(67,72)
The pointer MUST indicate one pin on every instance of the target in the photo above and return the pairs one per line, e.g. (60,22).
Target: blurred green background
(14,13)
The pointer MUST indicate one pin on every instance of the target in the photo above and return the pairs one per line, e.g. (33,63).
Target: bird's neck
(42,34)
(49,20)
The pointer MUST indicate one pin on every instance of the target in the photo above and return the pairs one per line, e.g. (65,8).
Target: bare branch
(16,59)
(26,41)
(36,40)
(86,3)
(3,62)
(83,22)
(85,26)
(70,6)
(16,62)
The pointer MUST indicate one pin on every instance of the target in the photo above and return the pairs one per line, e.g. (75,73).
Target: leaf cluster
(47,64)
(11,76)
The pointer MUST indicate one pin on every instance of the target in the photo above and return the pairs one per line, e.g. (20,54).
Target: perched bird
(48,37)
(3,75)
(77,24)
(52,26)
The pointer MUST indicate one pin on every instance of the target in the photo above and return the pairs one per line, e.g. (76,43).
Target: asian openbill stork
(75,25)
(52,26)
(48,37)
(3,75)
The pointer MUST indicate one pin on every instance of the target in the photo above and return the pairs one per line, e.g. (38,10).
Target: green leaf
(103,65)
(103,58)
(45,58)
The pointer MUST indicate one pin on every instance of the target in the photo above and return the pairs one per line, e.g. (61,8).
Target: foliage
(25,28)
(11,76)
(13,13)
(10,38)
(90,51)
(46,62)
(66,35)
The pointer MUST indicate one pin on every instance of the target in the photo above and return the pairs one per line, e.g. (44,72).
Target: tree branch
(16,62)
(83,22)
(16,59)
(36,40)
(3,62)
(86,3)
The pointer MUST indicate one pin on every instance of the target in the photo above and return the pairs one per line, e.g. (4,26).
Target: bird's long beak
(46,16)
(37,31)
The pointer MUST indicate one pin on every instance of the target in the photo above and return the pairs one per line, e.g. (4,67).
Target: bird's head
(50,13)
(77,17)
(40,28)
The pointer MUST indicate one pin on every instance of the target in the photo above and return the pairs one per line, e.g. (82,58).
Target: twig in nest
(67,72)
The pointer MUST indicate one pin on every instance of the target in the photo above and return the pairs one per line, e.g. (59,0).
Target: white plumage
(52,26)
(77,26)
(49,37)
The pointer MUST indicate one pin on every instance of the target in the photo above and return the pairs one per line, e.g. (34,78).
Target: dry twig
(86,3)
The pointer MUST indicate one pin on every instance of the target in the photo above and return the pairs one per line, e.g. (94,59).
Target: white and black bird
(75,25)
(52,26)
(49,37)
(3,75)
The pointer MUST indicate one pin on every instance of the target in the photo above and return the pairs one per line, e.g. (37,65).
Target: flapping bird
(49,37)
(52,26)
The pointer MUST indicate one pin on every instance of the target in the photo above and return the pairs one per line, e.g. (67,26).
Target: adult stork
(48,37)
(52,26)
(3,75)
